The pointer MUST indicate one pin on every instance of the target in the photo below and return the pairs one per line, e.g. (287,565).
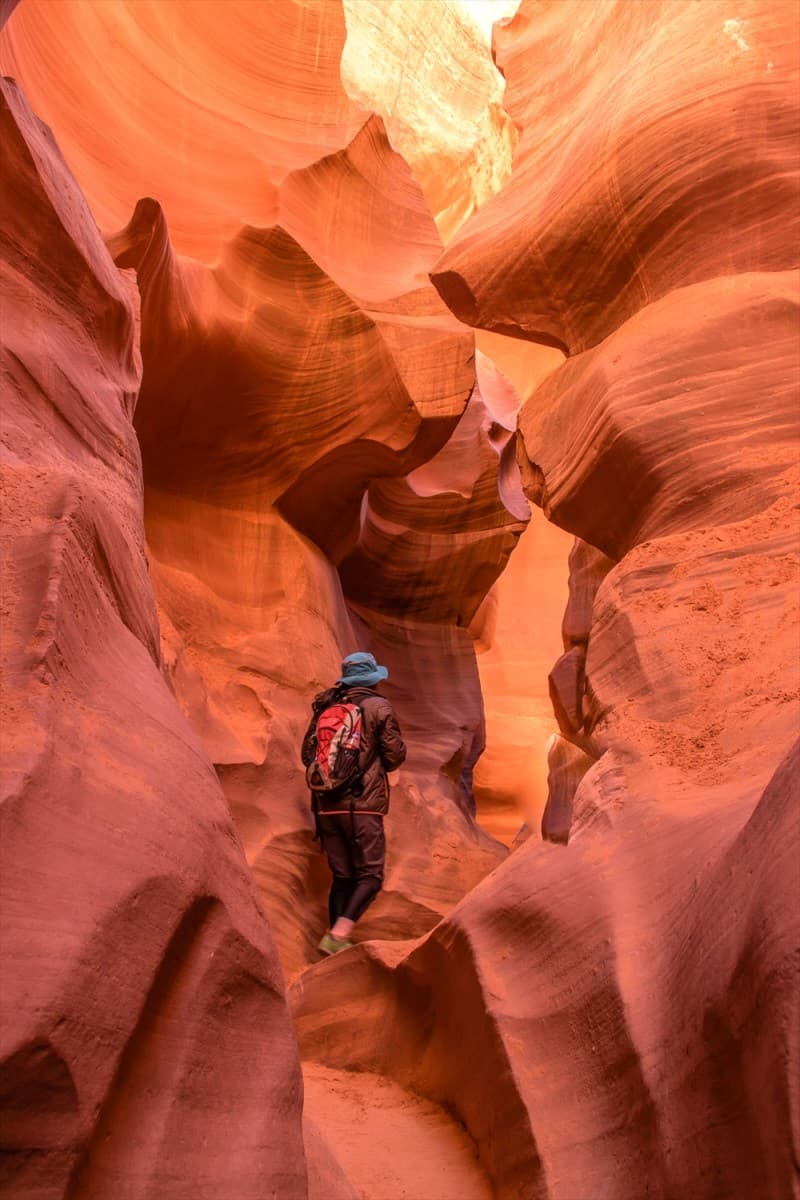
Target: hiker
(352,741)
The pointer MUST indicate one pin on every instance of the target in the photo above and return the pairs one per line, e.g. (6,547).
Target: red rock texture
(631,1025)
(631,440)
(625,186)
(247,92)
(627,994)
(279,332)
(518,627)
(342,443)
(142,961)
(609,1009)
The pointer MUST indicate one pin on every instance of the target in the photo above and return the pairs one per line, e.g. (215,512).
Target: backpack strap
(315,810)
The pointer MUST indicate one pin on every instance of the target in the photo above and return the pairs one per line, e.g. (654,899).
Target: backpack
(337,745)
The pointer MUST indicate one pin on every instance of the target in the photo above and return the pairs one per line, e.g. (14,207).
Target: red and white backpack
(337,747)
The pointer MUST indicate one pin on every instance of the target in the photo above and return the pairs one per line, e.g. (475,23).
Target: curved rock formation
(330,464)
(234,130)
(684,417)
(514,657)
(624,186)
(323,391)
(559,973)
(140,951)
(669,446)
(433,542)
(340,381)
(440,94)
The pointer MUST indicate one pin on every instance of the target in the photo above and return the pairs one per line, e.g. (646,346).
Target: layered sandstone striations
(618,195)
(142,961)
(629,1021)
(310,363)
(628,995)
(323,473)
(313,438)
(688,412)
(206,106)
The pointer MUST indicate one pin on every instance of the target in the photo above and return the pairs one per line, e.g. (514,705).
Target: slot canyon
(465,333)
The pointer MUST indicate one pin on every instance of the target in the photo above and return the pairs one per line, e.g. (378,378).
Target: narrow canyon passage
(470,343)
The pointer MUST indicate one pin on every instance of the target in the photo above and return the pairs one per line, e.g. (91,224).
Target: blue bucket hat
(362,668)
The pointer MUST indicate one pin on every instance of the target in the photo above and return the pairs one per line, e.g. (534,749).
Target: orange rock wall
(234,131)
(327,463)
(524,638)
(341,386)
(136,950)
(658,208)
(626,993)
(274,387)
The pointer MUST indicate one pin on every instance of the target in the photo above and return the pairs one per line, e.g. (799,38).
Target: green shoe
(332,945)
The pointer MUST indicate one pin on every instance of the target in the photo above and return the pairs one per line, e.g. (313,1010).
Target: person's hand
(393,777)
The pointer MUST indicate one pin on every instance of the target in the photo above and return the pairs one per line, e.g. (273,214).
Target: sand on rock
(392,1144)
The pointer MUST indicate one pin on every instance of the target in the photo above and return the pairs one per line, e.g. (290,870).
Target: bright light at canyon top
(187,101)
(484,13)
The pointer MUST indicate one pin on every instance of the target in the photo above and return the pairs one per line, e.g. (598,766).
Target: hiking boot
(332,945)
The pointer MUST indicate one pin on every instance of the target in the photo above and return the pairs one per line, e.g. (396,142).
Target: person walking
(353,740)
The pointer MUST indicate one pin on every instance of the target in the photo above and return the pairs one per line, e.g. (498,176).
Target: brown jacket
(382,750)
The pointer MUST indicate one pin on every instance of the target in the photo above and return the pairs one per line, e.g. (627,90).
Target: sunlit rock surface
(329,464)
(206,106)
(517,628)
(435,85)
(510,779)
(141,958)
(626,186)
(625,986)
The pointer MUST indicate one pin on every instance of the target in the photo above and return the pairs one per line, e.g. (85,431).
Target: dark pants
(356,850)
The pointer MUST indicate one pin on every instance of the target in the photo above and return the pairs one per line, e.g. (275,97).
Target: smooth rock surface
(332,406)
(625,186)
(393,1144)
(205,106)
(138,961)
(684,417)
(601,1074)
(330,463)
(622,995)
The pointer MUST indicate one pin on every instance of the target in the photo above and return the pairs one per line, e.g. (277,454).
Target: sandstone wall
(301,376)
(146,1044)
(306,412)
(626,996)
(322,472)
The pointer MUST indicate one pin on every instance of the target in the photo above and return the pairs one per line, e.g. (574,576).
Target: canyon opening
(461,336)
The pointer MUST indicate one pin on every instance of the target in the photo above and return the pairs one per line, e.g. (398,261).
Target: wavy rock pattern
(236,129)
(558,970)
(436,87)
(145,950)
(683,418)
(370,394)
(323,472)
(648,235)
(625,187)
(341,441)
